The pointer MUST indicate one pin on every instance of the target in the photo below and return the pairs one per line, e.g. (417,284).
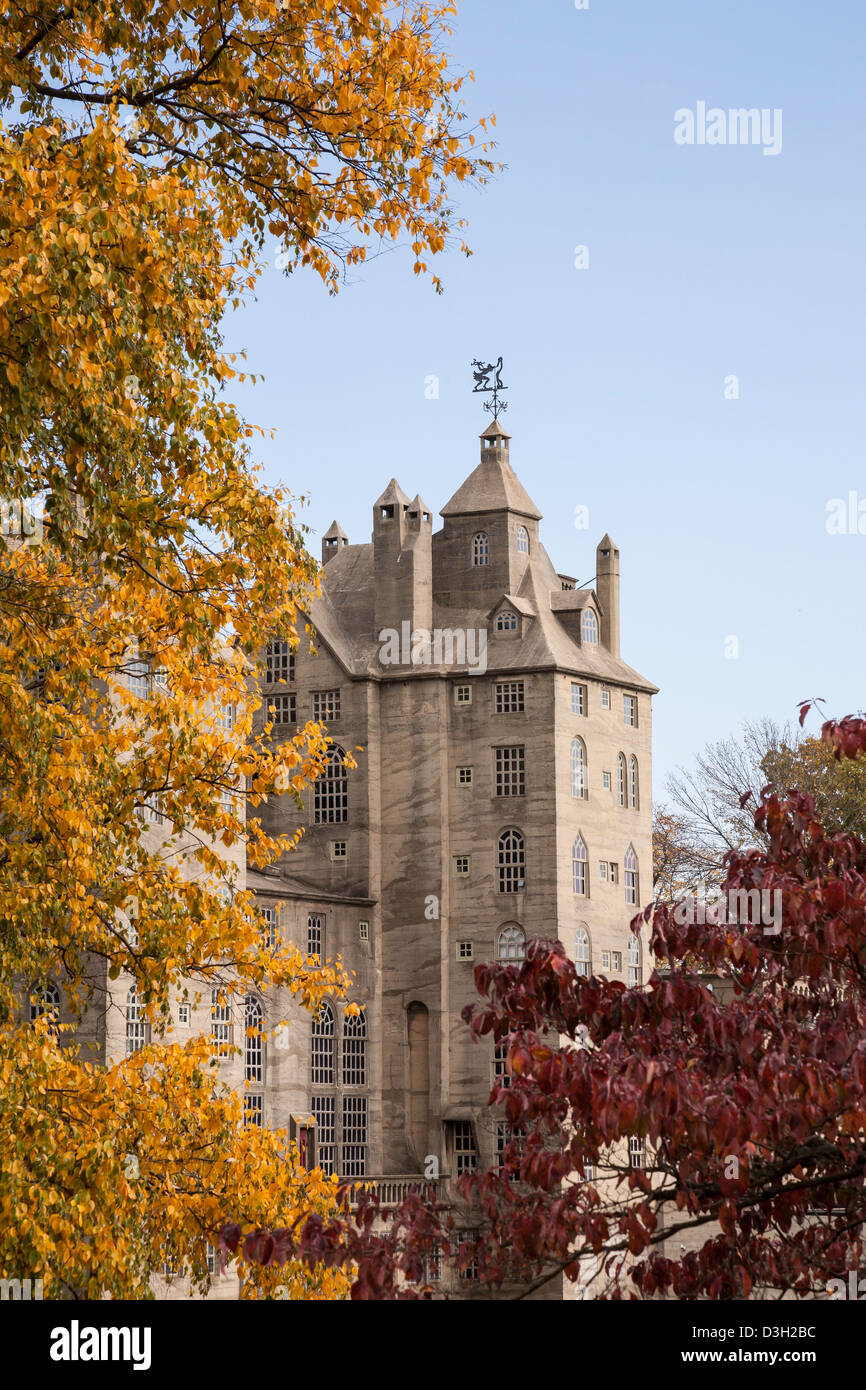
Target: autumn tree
(667,1141)
(147,155)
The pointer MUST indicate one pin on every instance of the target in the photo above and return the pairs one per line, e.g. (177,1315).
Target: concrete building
(502,792)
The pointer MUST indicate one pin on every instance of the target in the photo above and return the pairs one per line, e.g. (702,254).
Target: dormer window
(589,626)
(506,621)
(522,541)
(480,549)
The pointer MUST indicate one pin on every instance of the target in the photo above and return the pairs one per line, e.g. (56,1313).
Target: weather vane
(482,383)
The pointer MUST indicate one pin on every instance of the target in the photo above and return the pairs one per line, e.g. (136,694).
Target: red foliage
(752,1110)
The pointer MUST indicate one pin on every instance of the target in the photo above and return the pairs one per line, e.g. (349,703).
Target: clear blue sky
(704,261)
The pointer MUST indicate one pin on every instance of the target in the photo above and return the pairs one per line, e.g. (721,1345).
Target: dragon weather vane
(482,383)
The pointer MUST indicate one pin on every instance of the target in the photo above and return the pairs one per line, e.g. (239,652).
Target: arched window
(331,791)
(355,1050)
(253,1049)
(633,962)
(620,779)
(582,959)
(578,866)
(589,626)
(522,541)
(323,1045)
(511,861)
(480,549)
(631,883)
(579,780)
(632,782)
(136,1028)
(506,622)
(44,999)
(512,943)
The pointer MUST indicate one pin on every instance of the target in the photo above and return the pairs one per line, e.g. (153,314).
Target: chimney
(334,539)
(607,588)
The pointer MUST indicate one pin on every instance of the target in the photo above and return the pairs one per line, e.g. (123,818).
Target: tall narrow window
(323,1045)
(579,785)
(633,963)
(512,943)
(136,1028)
(269,928)
(629,710)
(220,1023)
(589,626)
(355,1050)
(511,861)
(331,791)
(253,1049)
(522,541)
(509,771)
(279,664)
(578,698)
(620,779)
(632,782)
(631,881)
(325,1114)
(316,936)
(465,1152)
(354,1149)
(138,678)
(501,1074)
(480,549)
(582,962)
(578,866)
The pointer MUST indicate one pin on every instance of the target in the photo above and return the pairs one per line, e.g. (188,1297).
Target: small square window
(363,931)
(183,1013)
(578,698)
(326,706)
(281,709)
(465,951)
(605,697)
(616,961)
(463,694)
(461,865)
(605,960)
(605,781)
(339,849)
(602,870)
(464,776)
(510,697)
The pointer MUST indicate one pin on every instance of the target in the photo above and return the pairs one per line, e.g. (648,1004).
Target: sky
(693,377)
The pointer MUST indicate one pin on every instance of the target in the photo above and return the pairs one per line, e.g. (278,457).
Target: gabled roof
(492,487)
(567,600)
(519,605)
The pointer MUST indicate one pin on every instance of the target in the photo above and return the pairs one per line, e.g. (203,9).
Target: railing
(392,1189)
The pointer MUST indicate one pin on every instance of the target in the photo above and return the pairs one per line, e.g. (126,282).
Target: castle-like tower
(503,792)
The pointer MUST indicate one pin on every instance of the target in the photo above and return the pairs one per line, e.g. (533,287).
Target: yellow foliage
(153,150)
